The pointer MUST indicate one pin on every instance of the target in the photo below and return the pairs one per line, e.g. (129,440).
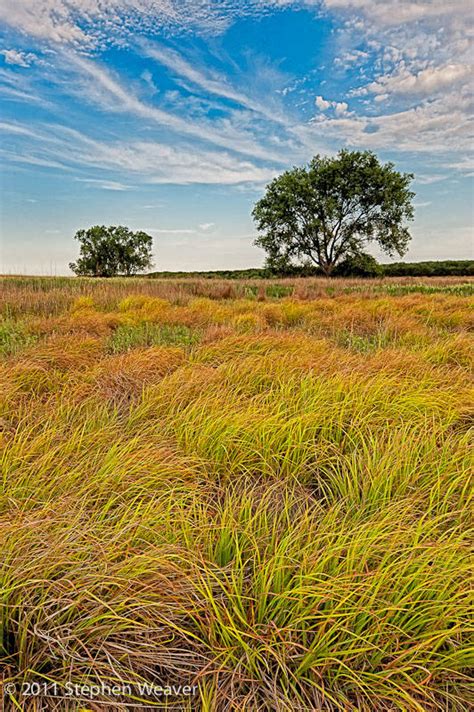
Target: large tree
(332,208)
(111,251)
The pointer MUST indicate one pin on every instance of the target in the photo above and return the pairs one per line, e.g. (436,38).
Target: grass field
(257,489)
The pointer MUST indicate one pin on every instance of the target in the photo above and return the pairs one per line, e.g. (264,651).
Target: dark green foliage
(332,208)
(112,251)
(443,268)
(359,265)
(250,273)
(458,268)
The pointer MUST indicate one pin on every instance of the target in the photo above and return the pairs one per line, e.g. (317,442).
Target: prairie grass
(260,491)
(13,337)
(125,337)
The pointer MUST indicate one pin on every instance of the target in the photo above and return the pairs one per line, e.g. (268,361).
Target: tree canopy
(332,208)
(111,251)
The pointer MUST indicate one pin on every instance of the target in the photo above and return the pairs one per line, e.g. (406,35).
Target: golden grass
(219,485)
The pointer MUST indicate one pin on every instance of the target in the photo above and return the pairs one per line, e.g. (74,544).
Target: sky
(171,116)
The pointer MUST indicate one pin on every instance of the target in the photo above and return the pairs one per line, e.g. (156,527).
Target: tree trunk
(327,268)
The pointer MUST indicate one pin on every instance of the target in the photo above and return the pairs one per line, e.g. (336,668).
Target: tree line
(441,268)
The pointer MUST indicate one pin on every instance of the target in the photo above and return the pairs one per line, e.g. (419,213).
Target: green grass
(461,290)
(379,340)
(278,291)
(272,291)
(14,337)
(126,338)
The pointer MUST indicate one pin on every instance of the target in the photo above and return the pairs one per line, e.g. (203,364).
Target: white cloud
(426,82)
(340,107)
(49,19)
(28,159)
(439,126)
(351,58)
(322,104)
(18,58)
(206,226)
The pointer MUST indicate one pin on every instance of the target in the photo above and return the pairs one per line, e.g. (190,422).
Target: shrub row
(443,268)
(353,268)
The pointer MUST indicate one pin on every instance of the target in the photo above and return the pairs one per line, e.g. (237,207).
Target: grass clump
(14,337)
(278,291)
(364,343)
(127,337)
(461,290)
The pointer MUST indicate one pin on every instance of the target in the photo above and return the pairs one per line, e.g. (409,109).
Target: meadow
(259,489)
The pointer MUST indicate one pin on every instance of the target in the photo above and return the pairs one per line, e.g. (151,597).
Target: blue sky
(170,116)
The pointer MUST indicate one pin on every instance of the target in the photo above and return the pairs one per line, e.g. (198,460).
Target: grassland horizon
(243,495)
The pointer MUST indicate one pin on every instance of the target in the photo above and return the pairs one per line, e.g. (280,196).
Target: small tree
(111,251)
(332,208)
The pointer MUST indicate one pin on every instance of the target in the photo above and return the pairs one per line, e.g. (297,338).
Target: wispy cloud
(107,91)
(18,58)
(18,86)
(465,164)
(147,77)
(171,231)
(194,75)
(428,179)
(104,184)
(422,204)
(184,70)
(142,162)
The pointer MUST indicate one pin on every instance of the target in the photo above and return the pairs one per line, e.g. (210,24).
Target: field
(259,490)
